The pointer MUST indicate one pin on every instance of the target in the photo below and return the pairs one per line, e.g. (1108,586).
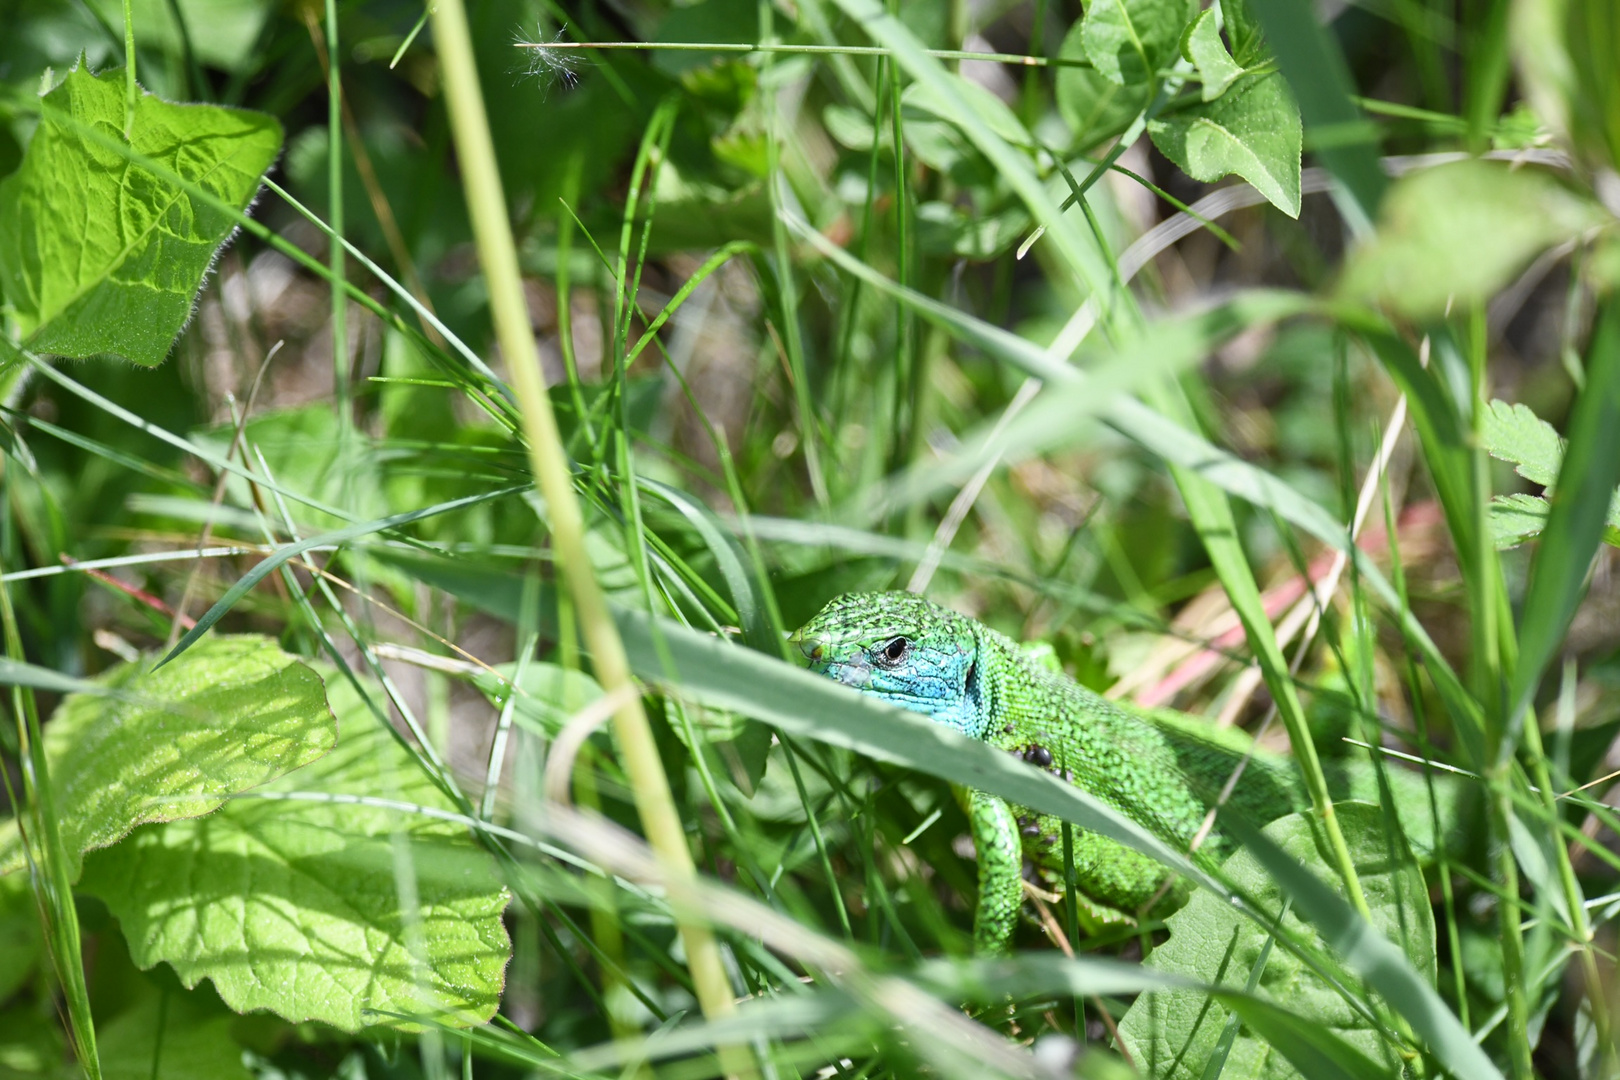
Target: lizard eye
(893,651)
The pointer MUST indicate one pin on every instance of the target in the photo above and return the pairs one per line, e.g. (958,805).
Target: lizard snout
(812,647)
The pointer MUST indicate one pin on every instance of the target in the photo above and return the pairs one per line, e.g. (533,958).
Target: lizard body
(1162,771)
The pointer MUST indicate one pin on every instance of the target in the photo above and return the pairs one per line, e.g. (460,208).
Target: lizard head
(901,649)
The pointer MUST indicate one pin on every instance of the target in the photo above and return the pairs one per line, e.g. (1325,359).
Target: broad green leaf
(1364,950)
(1203,47)
(234,713)
(1252,130)
(1171,1032)
(1093,105)
(1515,434)
(98,255)
(293,904)
(1460,232)
(1094,108)
(185,1039)
(1128,41)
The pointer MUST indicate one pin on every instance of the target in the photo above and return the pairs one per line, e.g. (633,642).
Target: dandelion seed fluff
(549,65)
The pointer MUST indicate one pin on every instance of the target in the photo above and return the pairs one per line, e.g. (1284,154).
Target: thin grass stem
(334,188)
(497,254)
(131,88)
(47,858)
(1016,59)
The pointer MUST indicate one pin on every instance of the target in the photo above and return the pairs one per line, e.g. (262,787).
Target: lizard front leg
(1001,877)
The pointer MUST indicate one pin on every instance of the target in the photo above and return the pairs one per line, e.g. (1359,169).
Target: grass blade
(1312,1048)
(1315,69)
(497,254)
(339,536)
(1575,525)
(1082,258)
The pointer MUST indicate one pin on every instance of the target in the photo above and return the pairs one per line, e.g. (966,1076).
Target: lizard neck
(969,711)
(1003,677)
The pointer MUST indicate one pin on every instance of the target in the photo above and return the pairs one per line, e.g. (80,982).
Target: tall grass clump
(423,426)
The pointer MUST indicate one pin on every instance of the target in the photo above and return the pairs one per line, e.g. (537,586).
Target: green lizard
(1161,769)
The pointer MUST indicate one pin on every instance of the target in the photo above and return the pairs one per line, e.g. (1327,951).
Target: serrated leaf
(99,255)
(1515,434)
(1252,131)
(1203,47)
(232,714)
(293,904)
(1517,519)
(1095,107)
(1460,232)
(1128,40)
(1171,1033)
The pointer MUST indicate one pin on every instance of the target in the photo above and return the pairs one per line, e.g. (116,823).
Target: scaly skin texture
(1159,771)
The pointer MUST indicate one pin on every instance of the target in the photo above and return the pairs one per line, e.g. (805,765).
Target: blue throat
(945,696)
